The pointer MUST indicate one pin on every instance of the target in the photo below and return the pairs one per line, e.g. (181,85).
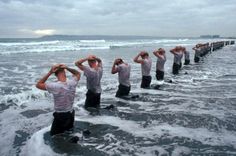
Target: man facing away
(63,91)
(146,64)
(177,52)
(93,74)
(123,70)
(198,52)
(186,56)
(161,59)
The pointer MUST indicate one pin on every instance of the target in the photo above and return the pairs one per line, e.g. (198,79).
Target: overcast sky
(170,18)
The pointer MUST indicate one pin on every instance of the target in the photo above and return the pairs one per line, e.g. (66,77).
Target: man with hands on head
(161,59)
(178,54)
(63,91)
(123,70)
(93,74)
(146,64)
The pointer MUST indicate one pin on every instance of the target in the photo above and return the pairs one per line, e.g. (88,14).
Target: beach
(194,115)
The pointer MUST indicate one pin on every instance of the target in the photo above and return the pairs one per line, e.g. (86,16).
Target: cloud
(44,31)
(130,17)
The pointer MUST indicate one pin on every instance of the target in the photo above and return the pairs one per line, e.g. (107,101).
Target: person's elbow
(37,85)
(78,76)
(113,71)
(41,86)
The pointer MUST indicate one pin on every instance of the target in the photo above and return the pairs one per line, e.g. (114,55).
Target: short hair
(145,53)
(58,71)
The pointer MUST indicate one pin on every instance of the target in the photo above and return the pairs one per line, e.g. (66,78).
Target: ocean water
(194,115)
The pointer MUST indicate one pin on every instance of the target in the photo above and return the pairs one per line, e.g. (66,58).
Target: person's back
(186,56)
(94,77)
(161,59)
(123,70)
(146,64)
(177,59)
(160,63)
(63,94)
(197,54)
(124,74)
(93,74)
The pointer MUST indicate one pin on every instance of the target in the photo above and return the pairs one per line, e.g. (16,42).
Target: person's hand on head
(63,66)
(54,68)
(117,61)
(91,57)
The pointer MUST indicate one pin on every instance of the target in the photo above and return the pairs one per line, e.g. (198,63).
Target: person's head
(178,48)
(144,54)
(60,73)
(183,48)
(92,62)
(161,51)
(119,61)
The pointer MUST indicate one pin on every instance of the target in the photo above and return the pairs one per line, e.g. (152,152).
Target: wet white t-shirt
(146,66)
(94,77)
(124,74)
(63,94)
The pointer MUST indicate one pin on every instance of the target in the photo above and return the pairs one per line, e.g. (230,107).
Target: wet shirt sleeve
(87,71)
(52,87)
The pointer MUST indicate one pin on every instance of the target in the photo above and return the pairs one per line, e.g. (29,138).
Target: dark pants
(186,62)
(62,122)
(175,69)
(196,59)
(146,80)
(159,75)
(92,99)
(122,90)
(180,65)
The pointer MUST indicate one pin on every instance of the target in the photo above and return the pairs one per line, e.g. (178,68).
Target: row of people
(63,89)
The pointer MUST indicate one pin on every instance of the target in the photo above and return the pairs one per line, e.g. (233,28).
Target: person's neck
(93,66)
(61,78)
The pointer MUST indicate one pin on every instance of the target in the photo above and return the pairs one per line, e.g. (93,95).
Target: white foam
(36,145)
(29,43)
(203,135)
(92,41)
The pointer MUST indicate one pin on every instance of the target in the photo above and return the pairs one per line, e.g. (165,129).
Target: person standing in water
(63,91)
(177,52)
(93,74)
(186,56)
(161,59)
(198,51)
(146,64)
(123,70)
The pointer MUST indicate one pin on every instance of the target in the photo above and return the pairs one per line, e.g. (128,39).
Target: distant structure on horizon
(210,36)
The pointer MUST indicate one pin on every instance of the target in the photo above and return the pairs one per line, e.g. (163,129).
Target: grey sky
(180,18)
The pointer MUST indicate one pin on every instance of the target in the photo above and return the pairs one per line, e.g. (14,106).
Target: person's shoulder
(73,81)
(53,85)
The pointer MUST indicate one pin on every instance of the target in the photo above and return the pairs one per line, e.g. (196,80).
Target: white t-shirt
(63,94)
(146,66)
(124,74)
(93,79)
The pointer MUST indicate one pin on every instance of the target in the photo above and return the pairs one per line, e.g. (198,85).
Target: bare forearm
(113,70)
(79,62)
(136,58)
(73,71)
(99,61)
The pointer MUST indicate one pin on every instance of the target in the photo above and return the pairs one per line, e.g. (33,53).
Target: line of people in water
(63,90)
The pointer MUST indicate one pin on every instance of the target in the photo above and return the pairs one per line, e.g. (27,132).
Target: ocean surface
(194,115)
